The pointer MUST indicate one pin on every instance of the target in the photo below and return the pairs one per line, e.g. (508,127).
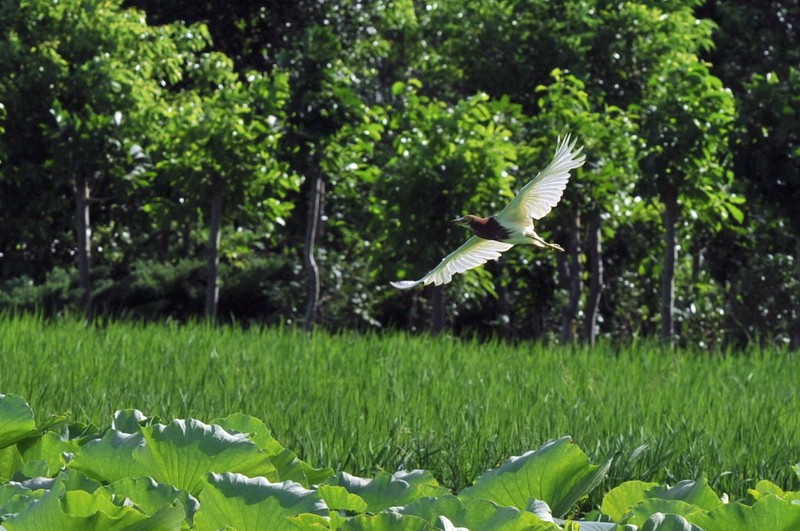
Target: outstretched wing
(544,191)
(475,251)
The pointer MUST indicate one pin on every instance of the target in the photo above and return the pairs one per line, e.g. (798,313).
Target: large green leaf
(431,508)
(290,468)
(643,510)
(254,428)
(150,496)
(635,501)
(338,499)
(485,515)
(168,517)
(10,462)
(558,473)
(16,420)
(183,452)
(73,503)
(386,521)
(388,490)
(98,508)
(618,501)
(770,513)
(111,458)
(180,454)
(254,503)
(46,455)
(695,492)
(15,497)
(765,487)
(475,514)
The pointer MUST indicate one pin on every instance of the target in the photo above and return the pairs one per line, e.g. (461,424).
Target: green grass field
(362,403)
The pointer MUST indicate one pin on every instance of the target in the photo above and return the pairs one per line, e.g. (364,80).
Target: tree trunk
(186,243)
(797,255)
(83,231)
(794,335)
(438,311)
(670,217)
(214,225)
(570,270)
(595,258)
(315,195)
(503,309)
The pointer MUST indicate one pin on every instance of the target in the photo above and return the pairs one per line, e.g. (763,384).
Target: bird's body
(488,228)
(493,229)
(496,234)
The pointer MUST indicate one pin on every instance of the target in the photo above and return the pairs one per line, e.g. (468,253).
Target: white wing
(544,191)
(475,251)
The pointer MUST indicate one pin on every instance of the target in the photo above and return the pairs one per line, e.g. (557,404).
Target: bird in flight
(513,225)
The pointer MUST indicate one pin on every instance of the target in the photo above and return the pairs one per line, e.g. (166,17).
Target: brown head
(487,228)
(470,220)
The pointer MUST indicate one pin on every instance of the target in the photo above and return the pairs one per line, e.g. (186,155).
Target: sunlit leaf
(16,420)
(558,473)
(254,503)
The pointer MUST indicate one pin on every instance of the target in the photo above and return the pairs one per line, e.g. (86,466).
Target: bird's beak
(458,221)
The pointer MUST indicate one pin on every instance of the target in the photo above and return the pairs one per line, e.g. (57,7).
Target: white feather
(538,197)
(474,252)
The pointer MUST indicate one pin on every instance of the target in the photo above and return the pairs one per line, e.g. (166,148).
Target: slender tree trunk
(83,231)
(438,314)
(595,258)
(670,217)
(794,335)
(797,255)
(503,309)
(214,229)
(315,195)
(570,272)
(161,240)
(186,244)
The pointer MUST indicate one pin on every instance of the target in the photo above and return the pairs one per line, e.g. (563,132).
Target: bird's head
(462,221)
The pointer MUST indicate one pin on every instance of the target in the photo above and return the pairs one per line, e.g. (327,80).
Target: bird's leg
(539,242)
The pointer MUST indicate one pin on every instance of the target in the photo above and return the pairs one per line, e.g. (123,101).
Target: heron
(496,234)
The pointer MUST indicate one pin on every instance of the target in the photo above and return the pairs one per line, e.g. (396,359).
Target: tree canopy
(276,162)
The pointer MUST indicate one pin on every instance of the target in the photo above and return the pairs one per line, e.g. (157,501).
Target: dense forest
(281,162)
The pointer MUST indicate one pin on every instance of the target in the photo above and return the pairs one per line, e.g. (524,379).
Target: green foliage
(259,290)
(696,504)
(153,289)
(752,39)
(765,288)
(629,42)
(57,292)
(225,127)
(187,474)
(769,141)
(93,74)
(444,405)
(151,106)
(685,118)
(607,133)
(543,472)
(17,421)
(507,48)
